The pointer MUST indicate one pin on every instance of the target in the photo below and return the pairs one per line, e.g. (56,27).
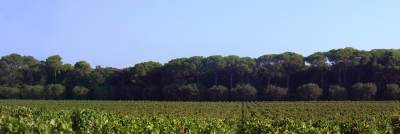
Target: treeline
(338,74)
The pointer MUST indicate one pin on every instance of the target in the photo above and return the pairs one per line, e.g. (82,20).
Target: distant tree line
(338,74)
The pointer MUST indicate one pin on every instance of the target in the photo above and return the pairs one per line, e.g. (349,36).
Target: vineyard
(27,116)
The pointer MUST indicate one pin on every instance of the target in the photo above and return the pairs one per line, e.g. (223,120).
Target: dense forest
(338,74)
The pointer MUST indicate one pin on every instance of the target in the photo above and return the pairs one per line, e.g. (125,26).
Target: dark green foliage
(145,73)
(341,59)
(391,92)
(125,92)
(191,92)
(54,65)
(54,91)
(318,62)
(290,63)
(12,65)
(213,64)
(337,93)
(362,91)
(80,93)
(232,67)
(32,92)
(268,66)
(344,67)
(101,93)
(274,93)
(151,93)
(9,92)
(217,93)
(244,92)
(309,91)
(170,92)
(179,92)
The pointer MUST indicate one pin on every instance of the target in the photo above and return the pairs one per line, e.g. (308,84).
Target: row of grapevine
(42,120)
(338,111)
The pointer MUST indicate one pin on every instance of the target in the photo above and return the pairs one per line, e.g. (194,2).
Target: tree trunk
(151,83)
(374,77)
(216,78)
(27,75)
(322,82)
(55,77)
(197,77)
(230,89)
(31,80)
(287,81)
(269,80)
(248,80)
(358,76)
(391,77)
(231,80)
(344,76)
(340,78)
(183,78)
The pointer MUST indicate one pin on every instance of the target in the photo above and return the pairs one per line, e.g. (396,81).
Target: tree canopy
(341,74)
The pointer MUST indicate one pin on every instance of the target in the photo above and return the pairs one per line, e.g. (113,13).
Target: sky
(123,33)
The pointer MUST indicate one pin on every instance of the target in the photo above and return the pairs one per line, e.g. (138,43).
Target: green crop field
(42,116)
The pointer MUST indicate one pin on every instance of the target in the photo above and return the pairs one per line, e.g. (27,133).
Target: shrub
(274,93)
(9,92)
(179,92)
(191,92)
(151,93)
(391,92)
(54,91)
(217,93)
(337,93)
(80,92)
(244,93)
(124,92)
(33,92)
(101,93)
(363,91)
(309,91)
(170,92)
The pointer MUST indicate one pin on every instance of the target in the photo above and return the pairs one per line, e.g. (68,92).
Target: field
(213,117)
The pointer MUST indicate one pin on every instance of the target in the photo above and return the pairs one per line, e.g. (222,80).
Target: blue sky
(125,32)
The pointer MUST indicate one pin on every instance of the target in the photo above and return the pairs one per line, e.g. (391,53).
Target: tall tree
(54,64)
(145,73)
(5,72)
(107,72)
(377,62)
(195,66)
(214,64)
(31,65)
(232,63)
(318,61)
(392,66)
(291,63)
(15,64)
(359,60)
(269,66)
(42,74)
(247,66)
(176,69)
(96,78)
(83,70)
(341,60)
(68,74)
